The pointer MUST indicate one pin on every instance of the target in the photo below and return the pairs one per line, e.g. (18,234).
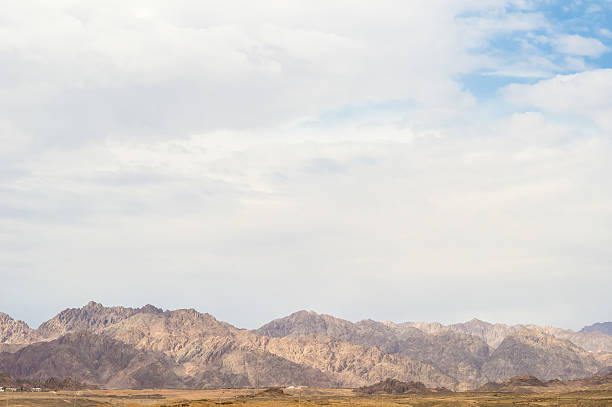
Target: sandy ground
(299,398)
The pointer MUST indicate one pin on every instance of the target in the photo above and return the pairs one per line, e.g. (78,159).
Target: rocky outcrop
(92,317)
(16,332)
(593,341)
(492,334)
(514,384)
(392,386)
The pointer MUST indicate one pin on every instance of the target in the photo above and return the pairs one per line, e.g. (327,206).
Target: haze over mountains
(149,347)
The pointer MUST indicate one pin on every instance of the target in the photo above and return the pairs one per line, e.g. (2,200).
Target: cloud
(407,209)
(293,155)
(583,94)
(88,72)
(579,45)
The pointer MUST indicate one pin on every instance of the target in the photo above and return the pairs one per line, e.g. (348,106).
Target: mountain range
(147,347)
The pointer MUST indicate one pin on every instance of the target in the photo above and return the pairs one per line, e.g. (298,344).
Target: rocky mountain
(150,347)
(463,351)
(93,359)
(453,353)
(91,317)
(603,327)
(492,334)
(185,348)
(594,340)
(538,354)
(15,332)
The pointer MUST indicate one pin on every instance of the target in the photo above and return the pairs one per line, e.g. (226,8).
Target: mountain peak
(93,304)
(476,321)
(14,332)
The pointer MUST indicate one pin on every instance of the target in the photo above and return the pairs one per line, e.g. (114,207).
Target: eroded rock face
(92,317)
(463,351)
(538,354)
(185,348)
(92,358)
(15,333)
(453,354)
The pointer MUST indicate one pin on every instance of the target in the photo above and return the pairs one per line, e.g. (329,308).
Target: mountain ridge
(185,348)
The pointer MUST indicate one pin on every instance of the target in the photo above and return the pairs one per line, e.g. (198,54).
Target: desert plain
(596,397)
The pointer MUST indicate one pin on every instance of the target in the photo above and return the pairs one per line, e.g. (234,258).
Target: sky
(395,160)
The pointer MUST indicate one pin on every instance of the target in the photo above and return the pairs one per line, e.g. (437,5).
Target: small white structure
(36,389)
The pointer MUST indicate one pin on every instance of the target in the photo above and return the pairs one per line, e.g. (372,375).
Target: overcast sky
(395,160)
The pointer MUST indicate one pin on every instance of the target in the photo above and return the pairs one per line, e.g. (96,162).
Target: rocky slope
(93,359)
(538,354)
(16,332)
(452,353)
(91,317)
(591,339)
(185,348)
(460,350)
(149,347)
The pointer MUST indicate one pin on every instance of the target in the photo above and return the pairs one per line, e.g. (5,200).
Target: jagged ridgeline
(119,347)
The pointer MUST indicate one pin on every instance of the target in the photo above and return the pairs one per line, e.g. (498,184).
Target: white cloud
(579,45)
(272,210)
(163,145)
(144,68)
(584,94)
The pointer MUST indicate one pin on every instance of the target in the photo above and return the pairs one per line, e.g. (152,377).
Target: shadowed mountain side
(91,358)
(456,354)
(603,327)
(538,354)
(101,360)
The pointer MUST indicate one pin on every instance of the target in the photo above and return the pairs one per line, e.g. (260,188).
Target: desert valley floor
(309,397)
